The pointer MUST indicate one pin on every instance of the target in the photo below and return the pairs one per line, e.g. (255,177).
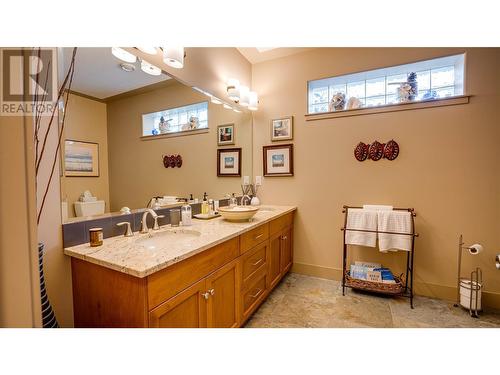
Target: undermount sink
(155,240)
(238,213)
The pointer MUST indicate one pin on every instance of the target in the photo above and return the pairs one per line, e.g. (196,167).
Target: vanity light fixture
(148,50)
(253,101)
(150,68)
(174,57)
(244,96)
(123,55)
(127,67)
(233,89)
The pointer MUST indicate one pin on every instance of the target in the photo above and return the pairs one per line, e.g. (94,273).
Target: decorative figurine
(337,103)
(404,91)
(164,125)
(193,122)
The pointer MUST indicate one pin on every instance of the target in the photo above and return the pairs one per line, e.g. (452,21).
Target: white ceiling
(98,73)
(259,54)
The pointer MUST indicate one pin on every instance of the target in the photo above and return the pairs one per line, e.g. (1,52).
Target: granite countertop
(125,255)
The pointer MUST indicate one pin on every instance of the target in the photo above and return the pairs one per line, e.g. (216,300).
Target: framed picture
(278,160)
(282,129)
(229,162)
(225,134)
(81,159)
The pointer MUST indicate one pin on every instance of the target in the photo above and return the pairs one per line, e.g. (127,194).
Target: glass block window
(175,120)
(436,79)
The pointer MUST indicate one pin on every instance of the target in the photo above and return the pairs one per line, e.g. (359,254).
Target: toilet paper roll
(497,261)
(475,249)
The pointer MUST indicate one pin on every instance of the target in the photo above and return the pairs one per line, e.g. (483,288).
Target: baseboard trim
(448,293)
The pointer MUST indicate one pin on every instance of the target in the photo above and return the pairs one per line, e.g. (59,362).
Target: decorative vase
(412,81)
(255,201)
(48,317)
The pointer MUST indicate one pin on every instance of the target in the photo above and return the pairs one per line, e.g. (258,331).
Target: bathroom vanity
(211,274)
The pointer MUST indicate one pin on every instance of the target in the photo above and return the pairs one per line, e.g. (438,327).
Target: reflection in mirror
(120,125)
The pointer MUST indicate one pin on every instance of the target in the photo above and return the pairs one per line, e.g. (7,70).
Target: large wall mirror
(121,122)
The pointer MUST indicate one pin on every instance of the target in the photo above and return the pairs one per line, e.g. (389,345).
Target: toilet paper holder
(476,278)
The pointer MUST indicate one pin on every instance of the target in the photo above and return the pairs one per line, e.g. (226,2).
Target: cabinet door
(286,250)
(274,260)
(223,287)
(187,309)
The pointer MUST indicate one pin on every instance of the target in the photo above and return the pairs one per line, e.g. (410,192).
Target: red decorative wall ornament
(377,151)
(172,161)
(361,151)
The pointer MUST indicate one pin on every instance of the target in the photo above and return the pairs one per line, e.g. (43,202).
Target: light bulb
(123,55)
(148,50)
(233,89)
(253,101)
(244,96)
(174,57)
(150,68)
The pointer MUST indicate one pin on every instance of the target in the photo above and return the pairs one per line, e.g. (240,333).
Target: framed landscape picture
(81,159)
(282,129)
(229,162)
(278,160)
(225,134)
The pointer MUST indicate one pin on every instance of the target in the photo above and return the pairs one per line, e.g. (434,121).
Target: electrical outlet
(258,180)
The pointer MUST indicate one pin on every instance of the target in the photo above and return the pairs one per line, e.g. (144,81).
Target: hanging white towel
(376,207)
(361,219)
(394,221)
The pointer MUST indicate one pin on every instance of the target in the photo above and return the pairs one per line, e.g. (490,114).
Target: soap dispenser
(186,216)
(204,205)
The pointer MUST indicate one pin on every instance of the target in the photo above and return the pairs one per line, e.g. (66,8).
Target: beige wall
(19,279)
(136,171)
(448,167)
(86,121)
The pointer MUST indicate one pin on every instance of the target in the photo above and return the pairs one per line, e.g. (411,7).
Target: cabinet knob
(205,295)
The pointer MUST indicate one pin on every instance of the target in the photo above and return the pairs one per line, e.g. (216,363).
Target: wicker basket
(373,286)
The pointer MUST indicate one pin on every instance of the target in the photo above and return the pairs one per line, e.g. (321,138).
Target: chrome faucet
(144,228)
(244,198)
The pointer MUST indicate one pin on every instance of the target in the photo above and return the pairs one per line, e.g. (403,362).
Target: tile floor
(304,301)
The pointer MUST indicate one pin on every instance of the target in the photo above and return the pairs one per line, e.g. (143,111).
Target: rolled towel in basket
(361,219)
(394,221)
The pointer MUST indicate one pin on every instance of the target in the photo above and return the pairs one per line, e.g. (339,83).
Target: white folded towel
(376,207)
(361,219)
(394,221)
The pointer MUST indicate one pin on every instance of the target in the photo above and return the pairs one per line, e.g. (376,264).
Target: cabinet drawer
(281,223)
(253,295)
(254,237)
(166,283)
(252,261)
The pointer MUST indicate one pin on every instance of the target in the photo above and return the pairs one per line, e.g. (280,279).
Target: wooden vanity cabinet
(188,309)
(220,287)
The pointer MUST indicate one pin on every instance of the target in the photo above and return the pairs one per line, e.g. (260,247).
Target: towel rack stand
(410,256)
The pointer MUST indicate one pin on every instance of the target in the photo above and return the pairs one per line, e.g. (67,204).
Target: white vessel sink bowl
(155,240)
(238,213)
